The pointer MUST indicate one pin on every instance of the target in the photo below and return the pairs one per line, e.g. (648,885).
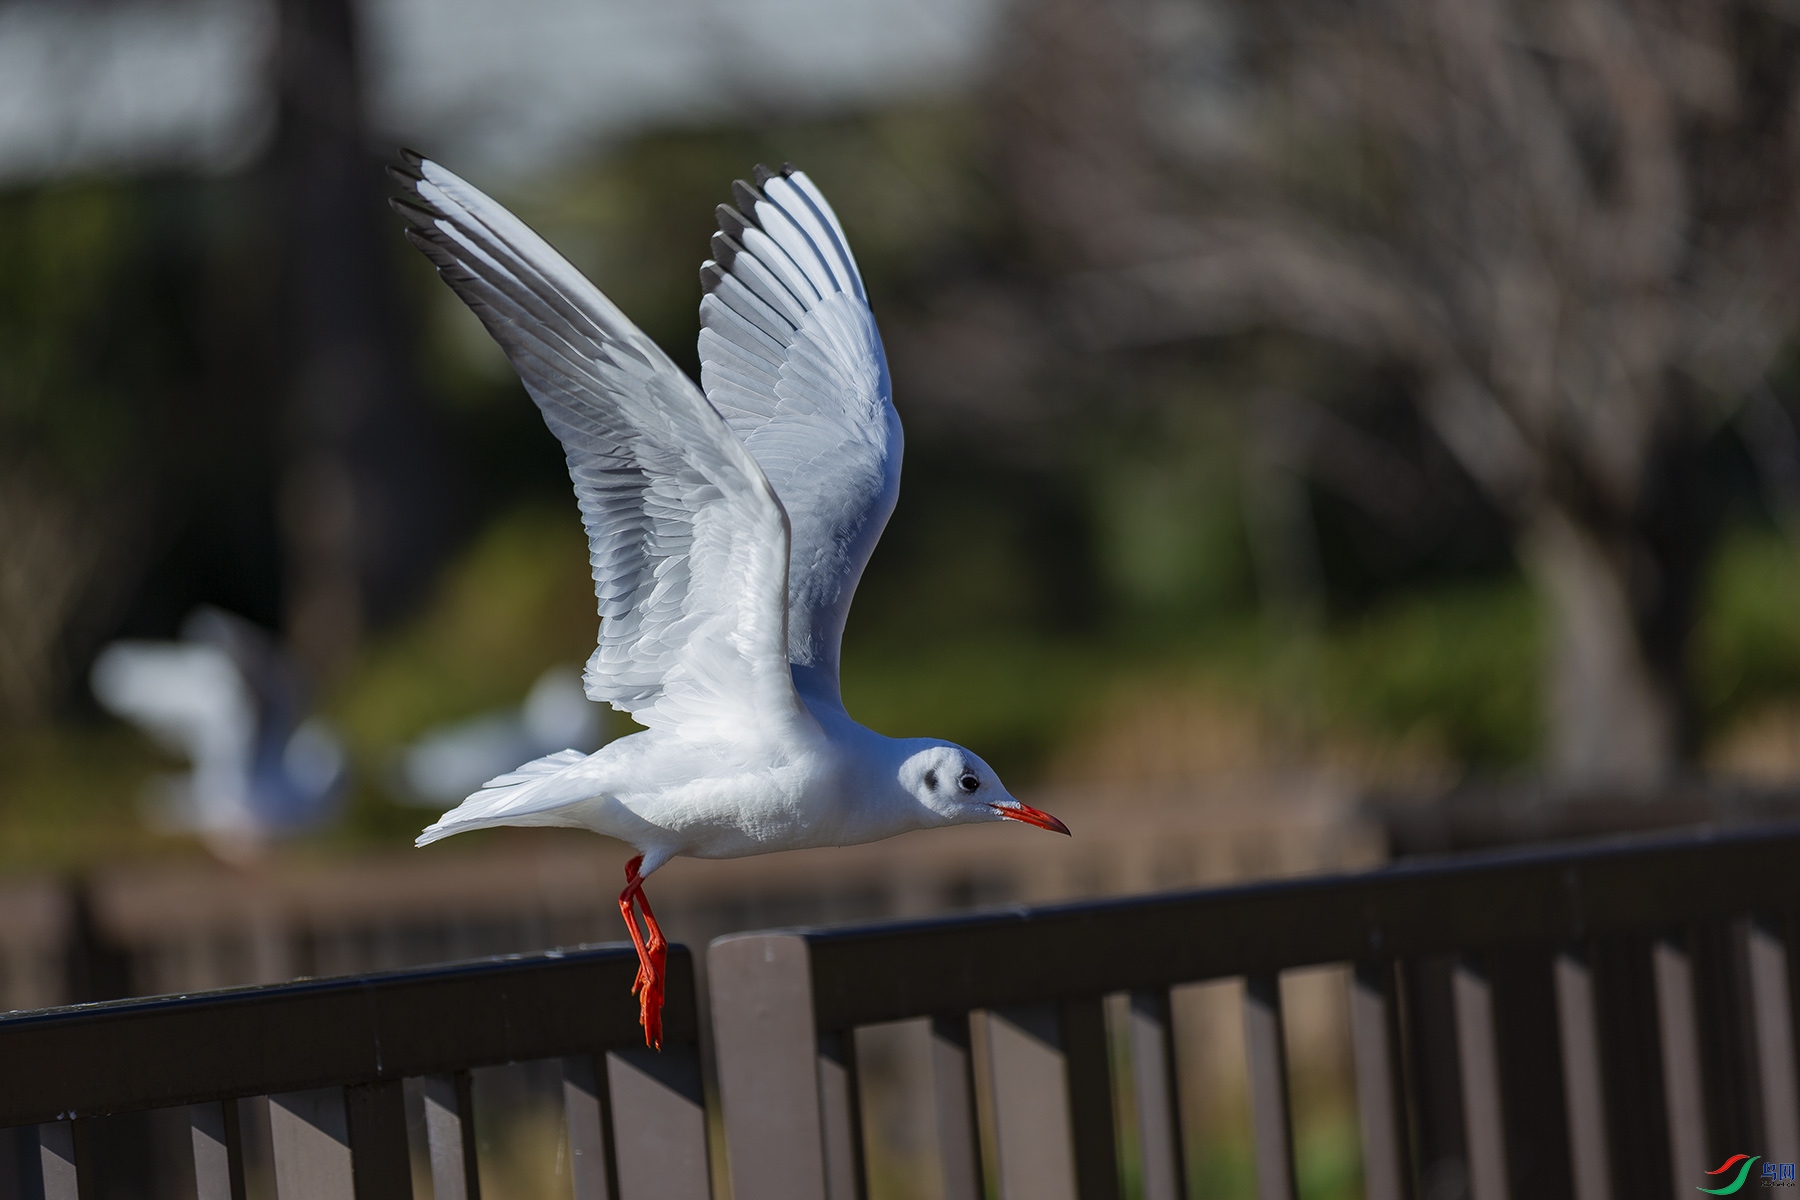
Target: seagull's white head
(960,789)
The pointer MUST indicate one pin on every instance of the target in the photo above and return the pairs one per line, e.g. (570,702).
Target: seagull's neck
(881,807)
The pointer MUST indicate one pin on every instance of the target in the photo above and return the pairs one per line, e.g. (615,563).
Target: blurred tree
(367,498)
(94,351)
(1573,225)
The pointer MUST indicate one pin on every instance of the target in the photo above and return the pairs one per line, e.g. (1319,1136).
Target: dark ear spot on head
(931,780)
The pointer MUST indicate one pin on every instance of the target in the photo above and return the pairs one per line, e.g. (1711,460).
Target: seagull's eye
(968,782)
(931,780)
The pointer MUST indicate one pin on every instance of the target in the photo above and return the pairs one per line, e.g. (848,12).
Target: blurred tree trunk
(48,554)
(365,497)
(1616,720)
(1573,225)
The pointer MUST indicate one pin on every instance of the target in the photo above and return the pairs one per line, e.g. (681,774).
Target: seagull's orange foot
(652,951)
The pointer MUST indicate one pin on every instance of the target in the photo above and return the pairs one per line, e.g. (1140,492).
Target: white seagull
(229,699)
(727,530)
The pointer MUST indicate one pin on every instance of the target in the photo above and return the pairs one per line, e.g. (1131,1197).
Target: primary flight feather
(727,530)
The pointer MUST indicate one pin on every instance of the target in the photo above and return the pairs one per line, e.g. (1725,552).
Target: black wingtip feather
(409,170)
(725,249)
(732,223)
(416,213)
(762,174)
(788,169)
(746,197)
(711,276)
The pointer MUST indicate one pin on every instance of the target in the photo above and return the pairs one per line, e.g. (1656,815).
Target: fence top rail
(120,1055)
(864,974)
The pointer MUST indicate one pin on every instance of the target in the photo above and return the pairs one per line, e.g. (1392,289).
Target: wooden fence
(1615,1021)
(333,1058)
(1600,1023)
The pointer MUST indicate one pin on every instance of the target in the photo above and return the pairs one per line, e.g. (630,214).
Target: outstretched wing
(688,542)
(790,356)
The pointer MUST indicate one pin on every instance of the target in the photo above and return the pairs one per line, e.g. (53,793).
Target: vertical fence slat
(839,1116)
(218,1146)
(1033,1143)
(1433,1087)
(1265,1051)
(63,1160)
(588,1120)
(767,1052)
(659,1123)
(1680,1042)
(311,1142)
(1772,1004)
(450,1136)
(1375,1046)
(1157,1098)
(1637,1120)
(1095,1132)
(1480,1070)
(379,1157)
(1583,1092)
(953,1102)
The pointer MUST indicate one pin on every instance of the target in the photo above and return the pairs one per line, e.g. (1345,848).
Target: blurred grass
(69,797)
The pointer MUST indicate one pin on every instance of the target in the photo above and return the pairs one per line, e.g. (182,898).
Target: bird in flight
(727,529)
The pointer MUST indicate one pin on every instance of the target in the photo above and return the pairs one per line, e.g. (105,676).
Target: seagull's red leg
(651,998)
(653,954)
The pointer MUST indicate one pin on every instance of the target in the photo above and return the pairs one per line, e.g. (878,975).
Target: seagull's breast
(726,802)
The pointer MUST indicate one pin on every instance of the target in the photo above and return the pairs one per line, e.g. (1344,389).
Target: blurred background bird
(229,701)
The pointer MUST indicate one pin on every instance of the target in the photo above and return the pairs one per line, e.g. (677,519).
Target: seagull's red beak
(1031,816)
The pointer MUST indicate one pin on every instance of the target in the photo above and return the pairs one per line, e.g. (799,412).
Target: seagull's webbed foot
(652,951)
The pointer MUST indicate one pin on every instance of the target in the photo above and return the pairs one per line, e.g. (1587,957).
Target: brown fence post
(1033,1142)
(380,1159)
(1152,1040)
(1773,1006)
(1583,1090)
(450,1136)
(1266,1051)
(1375,1045)
(218,1150)
(311,1140)
(1477,1057)
(63,1160)
(953,1096)
(764,1036)
(659,1122)
(587,1117)
(1683,1084)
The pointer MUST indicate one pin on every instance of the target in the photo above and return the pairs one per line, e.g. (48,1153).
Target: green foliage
(94,330)
(1457,665)
(1747,652)
(1011,698)
(517,601)
(60,255)
(1169,521)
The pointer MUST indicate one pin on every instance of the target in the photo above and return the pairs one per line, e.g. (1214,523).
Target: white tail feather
(503,797)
